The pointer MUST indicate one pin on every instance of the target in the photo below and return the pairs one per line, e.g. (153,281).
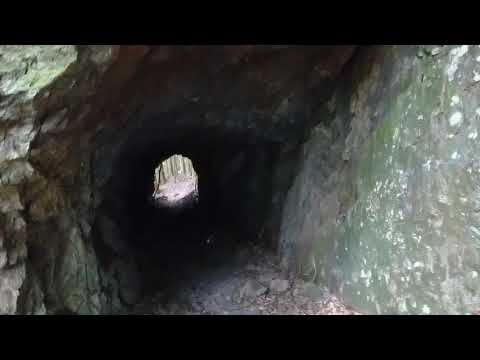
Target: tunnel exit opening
(175,182)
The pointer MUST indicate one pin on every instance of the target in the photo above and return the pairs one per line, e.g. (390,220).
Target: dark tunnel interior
(241,123)
(170,244)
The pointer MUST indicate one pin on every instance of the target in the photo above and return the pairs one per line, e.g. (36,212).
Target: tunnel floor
(252,284)
(194,256)
(192,272)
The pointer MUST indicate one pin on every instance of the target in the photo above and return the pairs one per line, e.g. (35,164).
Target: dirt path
(252,287)
(175,190)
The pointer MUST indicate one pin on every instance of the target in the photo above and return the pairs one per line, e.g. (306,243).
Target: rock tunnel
(234,187)
(341,171)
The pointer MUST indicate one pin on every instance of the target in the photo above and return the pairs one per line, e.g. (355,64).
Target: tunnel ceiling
(210,103)
(196,95)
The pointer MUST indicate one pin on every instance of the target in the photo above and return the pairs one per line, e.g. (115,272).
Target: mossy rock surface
(30,68)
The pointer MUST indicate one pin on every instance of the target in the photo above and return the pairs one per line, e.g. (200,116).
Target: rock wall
(44,255)
(386,207)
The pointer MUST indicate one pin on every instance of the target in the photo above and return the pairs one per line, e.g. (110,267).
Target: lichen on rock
(29,69)
(401,245)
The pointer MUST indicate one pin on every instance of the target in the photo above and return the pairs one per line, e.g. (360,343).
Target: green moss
(30,68)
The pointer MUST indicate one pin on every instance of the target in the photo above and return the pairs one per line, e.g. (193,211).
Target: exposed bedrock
(358,166)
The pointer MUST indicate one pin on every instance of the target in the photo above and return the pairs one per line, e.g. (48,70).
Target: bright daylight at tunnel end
(239,179)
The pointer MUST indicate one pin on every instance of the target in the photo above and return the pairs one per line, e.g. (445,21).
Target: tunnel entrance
(80,154)
(242,148)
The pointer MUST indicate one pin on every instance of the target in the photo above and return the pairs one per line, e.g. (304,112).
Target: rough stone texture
(128,280)
(29,69)
(12,255)
(48,202)
(9,199)
(383,201)
(3,258)
(16,142)
(39,87)
(15,172)
(78,279)
(31,298)
(388,195)
(10,282)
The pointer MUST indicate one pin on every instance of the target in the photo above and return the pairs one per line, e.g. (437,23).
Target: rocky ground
(252,287)
(214,273)
(176,190)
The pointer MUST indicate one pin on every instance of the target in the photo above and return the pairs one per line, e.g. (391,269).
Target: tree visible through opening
(175,182)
